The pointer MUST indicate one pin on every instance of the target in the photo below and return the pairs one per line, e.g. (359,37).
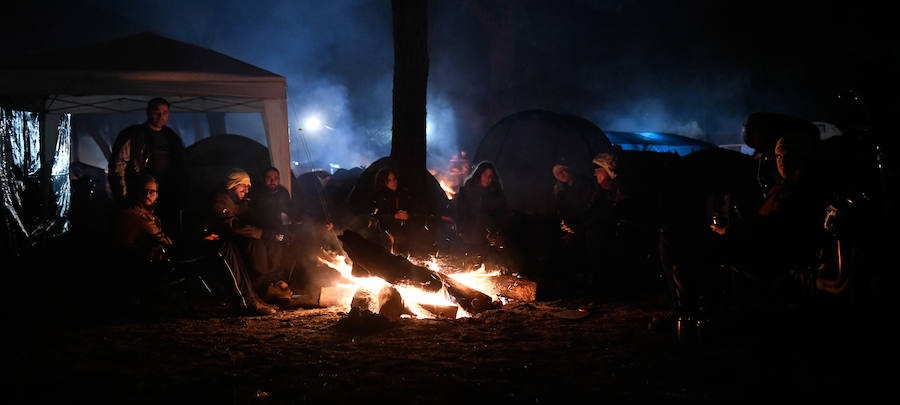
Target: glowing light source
(312,124)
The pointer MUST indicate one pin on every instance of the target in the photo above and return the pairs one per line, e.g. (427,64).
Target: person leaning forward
(234,223)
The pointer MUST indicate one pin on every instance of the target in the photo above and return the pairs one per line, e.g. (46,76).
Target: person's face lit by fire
(391,181)
(240,191)
(779,161)
(562,175)
(158,116)
(150,194)
(273,180)
(600,174)
(487,177)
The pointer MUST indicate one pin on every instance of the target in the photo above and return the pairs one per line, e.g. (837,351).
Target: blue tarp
(657,142)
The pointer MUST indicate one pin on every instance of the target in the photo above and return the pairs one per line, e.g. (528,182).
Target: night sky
(693,68)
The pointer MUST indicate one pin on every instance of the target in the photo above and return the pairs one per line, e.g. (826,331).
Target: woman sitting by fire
(389,211)
(481,207)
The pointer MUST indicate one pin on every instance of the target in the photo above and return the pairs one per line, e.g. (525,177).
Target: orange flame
(447,190)
(477,279)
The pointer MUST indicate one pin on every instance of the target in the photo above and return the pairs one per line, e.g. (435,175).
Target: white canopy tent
(123,74)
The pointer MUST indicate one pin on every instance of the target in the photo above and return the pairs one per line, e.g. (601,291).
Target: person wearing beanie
(245,245)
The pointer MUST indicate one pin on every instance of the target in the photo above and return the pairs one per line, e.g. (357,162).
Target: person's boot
(278,293)
(258,307)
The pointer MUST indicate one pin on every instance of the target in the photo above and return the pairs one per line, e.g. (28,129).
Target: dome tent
(209,160)
(525,146)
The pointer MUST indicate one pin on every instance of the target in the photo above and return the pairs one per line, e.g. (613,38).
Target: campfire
(396,287)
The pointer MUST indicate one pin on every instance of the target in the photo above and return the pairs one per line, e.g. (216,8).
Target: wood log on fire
(440,311)
(514,288)
(390,303)
(334,296)
(470,299)
(370,259)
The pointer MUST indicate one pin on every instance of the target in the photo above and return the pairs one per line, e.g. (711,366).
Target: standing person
(155,149)
(481,207)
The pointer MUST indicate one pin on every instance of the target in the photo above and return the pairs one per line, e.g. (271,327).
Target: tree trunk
(410,87)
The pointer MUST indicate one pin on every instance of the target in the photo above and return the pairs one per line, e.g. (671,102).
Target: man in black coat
(155,149)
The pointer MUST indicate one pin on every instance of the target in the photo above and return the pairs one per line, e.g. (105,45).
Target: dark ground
(540,352)
(66,343)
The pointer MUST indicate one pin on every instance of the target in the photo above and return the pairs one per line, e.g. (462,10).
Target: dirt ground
(66,343)
(539,352)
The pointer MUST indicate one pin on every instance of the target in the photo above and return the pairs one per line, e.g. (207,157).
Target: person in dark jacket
(140,243)
(155,149)
(482,206)
(275,211)
(781,236)
(272,204)
(233,223)
(572,196)
(609,202)
(389,212)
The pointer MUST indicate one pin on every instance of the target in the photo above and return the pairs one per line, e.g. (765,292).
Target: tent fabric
(525,146)
(34,178)
(209,160)
(119,76)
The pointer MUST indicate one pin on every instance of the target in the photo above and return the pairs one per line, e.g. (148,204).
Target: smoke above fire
(625,66)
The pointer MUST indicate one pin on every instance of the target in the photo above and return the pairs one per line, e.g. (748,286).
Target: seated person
(234,224)
(389,211)
(781,236)
(609,203)
(573,196)
(139,239)
(272,204)
(273,210)
(481,207)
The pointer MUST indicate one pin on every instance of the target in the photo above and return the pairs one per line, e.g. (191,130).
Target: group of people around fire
(264,239)
(259,231)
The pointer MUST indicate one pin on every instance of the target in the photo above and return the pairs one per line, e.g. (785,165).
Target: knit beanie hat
(608,162)
(236,177)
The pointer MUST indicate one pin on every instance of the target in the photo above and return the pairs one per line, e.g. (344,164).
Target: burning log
(441,311)
(514,288)
(470,299)
(369,259)
(333,296)
(390,303)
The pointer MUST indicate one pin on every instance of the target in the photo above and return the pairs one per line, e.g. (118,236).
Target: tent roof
(121,75)
(111,76)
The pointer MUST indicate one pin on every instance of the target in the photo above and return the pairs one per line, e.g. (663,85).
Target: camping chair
(202,275)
